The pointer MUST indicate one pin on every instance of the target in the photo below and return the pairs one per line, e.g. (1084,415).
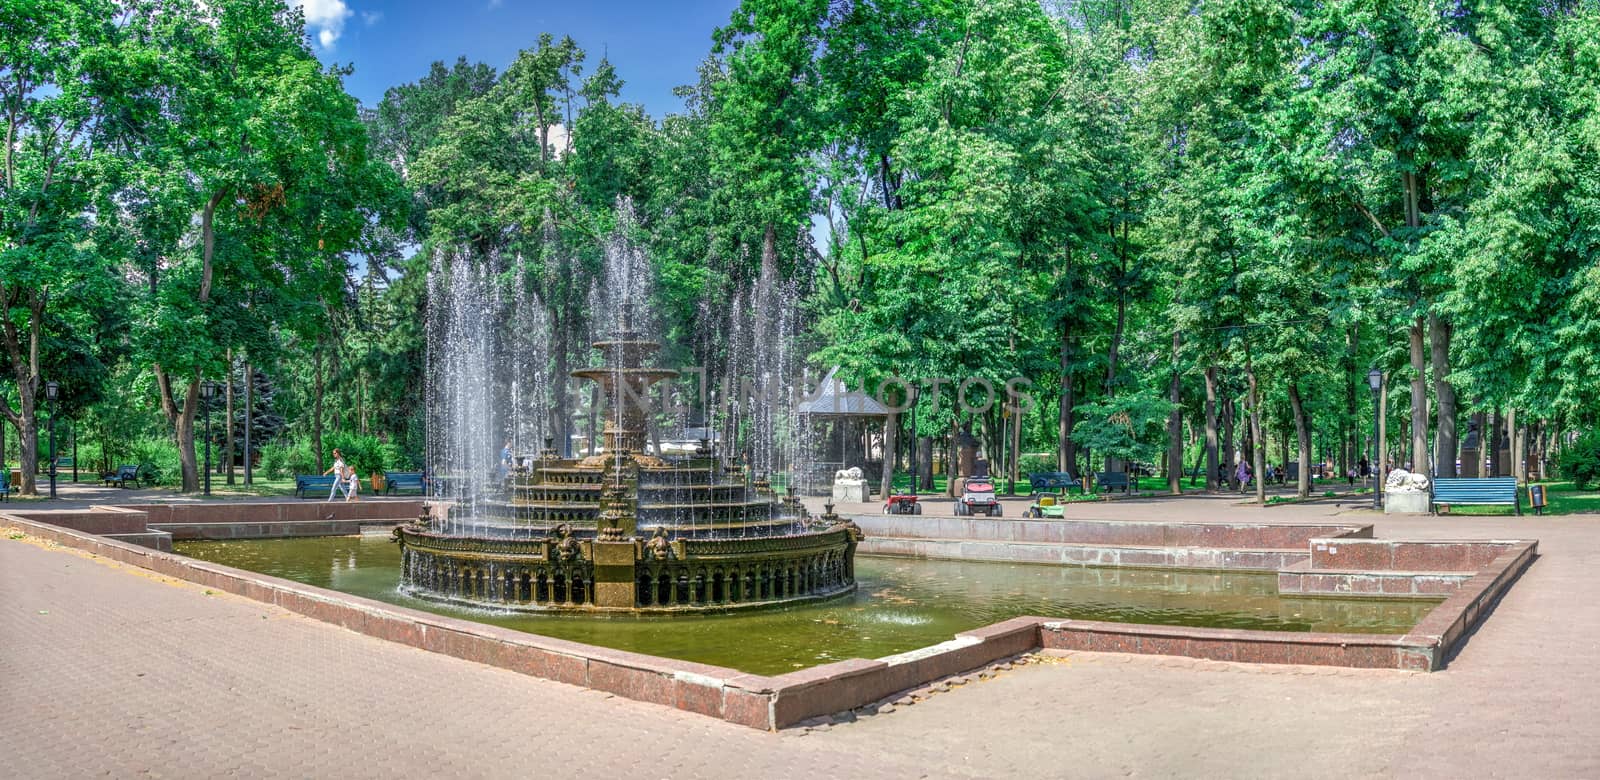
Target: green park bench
(1057,481)
(122,477)
(1476,491)
(1112,480)
(403,480)
(313,485)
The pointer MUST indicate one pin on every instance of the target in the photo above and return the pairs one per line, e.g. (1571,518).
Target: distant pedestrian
(337,470)
(1242,474)
(505,460)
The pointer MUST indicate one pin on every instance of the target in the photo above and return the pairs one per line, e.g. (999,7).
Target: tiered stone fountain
(624,530)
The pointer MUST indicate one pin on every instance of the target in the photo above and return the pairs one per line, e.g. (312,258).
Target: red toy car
(902,504)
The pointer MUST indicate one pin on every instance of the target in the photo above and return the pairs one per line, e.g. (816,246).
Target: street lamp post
(1375,381)
(208,389)
(52,391)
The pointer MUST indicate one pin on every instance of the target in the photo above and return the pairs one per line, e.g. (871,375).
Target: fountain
(625,529)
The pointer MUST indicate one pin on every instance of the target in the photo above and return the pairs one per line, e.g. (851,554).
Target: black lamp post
(1375,381)
(52,391)
(208,390)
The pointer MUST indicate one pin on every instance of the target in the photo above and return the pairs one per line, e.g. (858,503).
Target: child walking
(352,484)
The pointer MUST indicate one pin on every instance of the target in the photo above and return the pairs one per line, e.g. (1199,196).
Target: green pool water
(900,605)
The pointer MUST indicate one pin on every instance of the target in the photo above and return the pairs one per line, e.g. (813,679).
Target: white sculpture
(851,476)
(1402,481)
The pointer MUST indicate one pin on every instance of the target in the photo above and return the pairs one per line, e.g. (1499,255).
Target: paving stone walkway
(107,670)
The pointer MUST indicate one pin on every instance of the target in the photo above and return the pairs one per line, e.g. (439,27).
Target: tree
(55,94)
(246,135)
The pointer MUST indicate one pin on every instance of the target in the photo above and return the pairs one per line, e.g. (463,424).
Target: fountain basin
(542,573)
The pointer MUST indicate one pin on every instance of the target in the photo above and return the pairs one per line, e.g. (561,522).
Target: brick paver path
(107,670)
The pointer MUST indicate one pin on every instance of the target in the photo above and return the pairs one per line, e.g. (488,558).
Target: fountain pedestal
(614,574)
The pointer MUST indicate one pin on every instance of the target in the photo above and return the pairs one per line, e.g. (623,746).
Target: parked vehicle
(977,497)
(902,504)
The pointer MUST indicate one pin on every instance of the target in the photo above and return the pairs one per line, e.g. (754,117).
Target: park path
(111,670)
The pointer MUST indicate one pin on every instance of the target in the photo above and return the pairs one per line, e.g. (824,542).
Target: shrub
(1034,463)
(159,456)
(368,453)
(284,459)
(1580,461)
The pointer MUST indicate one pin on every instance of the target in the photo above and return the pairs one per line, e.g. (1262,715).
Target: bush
(1035,463)
(287,458)
(367,453)
(1580,461)
(159,456)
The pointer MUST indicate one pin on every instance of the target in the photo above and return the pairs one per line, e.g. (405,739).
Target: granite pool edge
(771,703)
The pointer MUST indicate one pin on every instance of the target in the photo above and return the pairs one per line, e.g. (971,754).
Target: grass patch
(260,488)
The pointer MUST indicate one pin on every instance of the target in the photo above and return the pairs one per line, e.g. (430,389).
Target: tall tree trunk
(1419,398)
(227,427)
(181,418)
(1211,428)
(925,462)
(952,454)
(1066,448)
(1175,423)
(1439,333)
(1229,466)
(1302,434)
(316,409)
(1514,433)
(249,420)
(1493,435)
(1016,449)
(891,427)
(1258,461)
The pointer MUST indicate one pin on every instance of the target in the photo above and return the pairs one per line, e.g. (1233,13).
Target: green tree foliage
(1125,202)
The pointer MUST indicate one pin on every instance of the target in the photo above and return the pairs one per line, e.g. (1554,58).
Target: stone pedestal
(1471,462)
(614,573)
(850,493)
(1405,503)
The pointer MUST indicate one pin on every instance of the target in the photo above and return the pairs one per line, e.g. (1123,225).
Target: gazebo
(842,423)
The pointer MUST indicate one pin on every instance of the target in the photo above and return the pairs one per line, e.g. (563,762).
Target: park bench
(5,489)
(313,485)
(1053,481)
(403,480)
(1111,480)
(122,477)
(1473,491)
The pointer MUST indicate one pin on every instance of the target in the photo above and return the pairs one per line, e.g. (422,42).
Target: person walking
(1243,476)
(337,470)
(505,460)
(352,482)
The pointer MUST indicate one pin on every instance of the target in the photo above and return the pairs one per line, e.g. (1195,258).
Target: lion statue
(849,476)
(1402,481)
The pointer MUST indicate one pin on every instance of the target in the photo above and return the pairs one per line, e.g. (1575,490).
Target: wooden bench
(403,480)
(1111,480)
(1476,491)
(122,476)
(317,485)
(1060,481)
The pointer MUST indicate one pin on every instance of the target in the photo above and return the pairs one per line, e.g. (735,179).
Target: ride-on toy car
(1046,506)
(978,497)
(902,504)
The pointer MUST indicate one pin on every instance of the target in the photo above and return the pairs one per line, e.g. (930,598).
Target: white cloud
(326,18)
(371,17)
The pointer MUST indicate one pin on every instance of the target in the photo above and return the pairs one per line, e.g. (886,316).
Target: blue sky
(655,46)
